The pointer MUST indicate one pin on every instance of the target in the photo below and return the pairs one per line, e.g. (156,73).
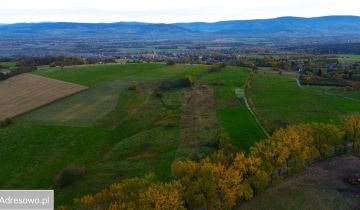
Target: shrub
(355,85)
(277,124)
(170,63)
(5,122)
(133,87)
(170,122)
(69,175)
(222,139)
(216,67)
(179,83)
(157,93)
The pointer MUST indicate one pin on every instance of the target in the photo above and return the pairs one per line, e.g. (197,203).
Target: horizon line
(229,20)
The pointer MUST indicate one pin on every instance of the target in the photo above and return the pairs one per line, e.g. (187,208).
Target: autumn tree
(352,130)
(222,140)
(228,181)
(135,194)
(196,179)
(326,137)
(162,196)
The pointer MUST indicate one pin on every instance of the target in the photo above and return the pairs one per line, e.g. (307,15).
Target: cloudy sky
(168,11)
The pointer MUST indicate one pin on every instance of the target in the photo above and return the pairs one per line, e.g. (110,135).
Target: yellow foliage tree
(352,130)
(326,137)
(199,190)
(135,194)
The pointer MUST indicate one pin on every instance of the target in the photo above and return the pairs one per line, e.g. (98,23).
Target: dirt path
(298,83)
(241,94)
(198,120)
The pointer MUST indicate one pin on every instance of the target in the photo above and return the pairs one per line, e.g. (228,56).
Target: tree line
(227,177)
(29,64)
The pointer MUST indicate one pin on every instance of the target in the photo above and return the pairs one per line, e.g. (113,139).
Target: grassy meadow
(114,132)
(303,104)
(8,64)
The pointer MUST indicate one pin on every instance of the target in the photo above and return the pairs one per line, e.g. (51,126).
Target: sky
(168,11)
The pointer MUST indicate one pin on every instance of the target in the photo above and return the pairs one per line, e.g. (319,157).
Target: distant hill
(92,30)
(328,25)
(289,26)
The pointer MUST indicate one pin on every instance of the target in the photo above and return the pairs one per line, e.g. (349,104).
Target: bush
(5,122)
(170,63)
(157,93)
(222,139)
(133,87)
(216,67)
(69,175)
(355,85)
(179,83)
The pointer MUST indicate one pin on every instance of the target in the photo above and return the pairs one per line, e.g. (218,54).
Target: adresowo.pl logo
(26,199)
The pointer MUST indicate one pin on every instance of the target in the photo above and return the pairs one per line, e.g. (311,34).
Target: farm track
(26,92)
(242,94)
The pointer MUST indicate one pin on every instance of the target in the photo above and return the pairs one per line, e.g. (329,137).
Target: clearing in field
(26,92)
(198,122)
(324,185)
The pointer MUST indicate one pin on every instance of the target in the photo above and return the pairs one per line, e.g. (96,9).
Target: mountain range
(284,26)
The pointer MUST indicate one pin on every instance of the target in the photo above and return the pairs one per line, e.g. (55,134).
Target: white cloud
(168,10)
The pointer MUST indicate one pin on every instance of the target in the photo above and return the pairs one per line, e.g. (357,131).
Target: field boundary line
(298,83)
(324,92)
(255,116)
(248,107)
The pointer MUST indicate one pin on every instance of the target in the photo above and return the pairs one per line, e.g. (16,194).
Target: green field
(277,98)
(114,132)
(8,64)
(348,58)
(231,112)
(5,66)
(117,133)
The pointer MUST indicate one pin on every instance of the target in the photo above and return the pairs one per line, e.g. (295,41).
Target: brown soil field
(198,120)
(25,92)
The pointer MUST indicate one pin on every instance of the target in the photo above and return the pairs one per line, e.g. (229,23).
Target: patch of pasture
(278,99)
(8,64)
(348,58)
(34,154)
(95,75)
(79,110)
(241,126)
